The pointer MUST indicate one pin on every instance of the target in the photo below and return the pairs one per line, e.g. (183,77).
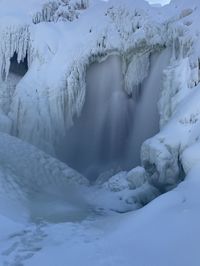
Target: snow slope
(28,176)
(165,232)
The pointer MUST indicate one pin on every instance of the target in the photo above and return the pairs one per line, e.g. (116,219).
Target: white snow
(166,232)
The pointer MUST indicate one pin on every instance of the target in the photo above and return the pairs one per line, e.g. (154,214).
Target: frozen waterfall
(8,85)
(113,125)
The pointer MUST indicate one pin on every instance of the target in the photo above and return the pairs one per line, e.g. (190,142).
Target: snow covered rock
(125,191)
(117,182)
(136,177)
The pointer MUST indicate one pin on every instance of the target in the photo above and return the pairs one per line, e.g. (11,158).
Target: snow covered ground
(49,213)
(165,232)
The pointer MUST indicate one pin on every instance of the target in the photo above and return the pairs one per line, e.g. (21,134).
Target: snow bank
(27,174)
(166,231)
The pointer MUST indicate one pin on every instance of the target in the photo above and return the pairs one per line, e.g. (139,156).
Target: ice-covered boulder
(136,177)
(124,191)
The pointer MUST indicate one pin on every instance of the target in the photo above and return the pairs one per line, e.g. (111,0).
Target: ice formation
(60,10)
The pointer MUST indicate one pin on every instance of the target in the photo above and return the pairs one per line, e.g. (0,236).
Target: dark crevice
(20,68)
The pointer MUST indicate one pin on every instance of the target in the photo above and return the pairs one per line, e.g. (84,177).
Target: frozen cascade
(15,43)
(146,123)
(113,124)
(7,88)
(104,124)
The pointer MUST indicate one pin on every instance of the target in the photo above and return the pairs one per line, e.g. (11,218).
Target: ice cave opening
(18,68)
(108,135)
(8,86)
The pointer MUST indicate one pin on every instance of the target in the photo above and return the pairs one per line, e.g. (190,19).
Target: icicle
(137,71)
(14,39)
